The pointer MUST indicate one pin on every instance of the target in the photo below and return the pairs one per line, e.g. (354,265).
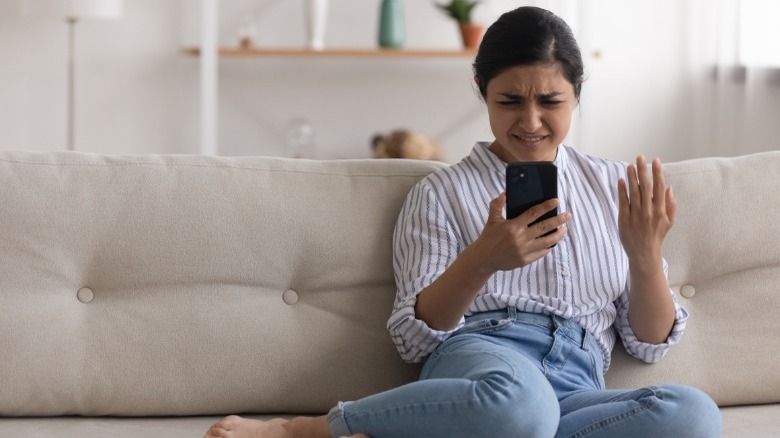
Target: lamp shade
(100,9)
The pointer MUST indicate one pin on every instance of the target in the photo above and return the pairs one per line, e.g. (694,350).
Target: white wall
(134,92)
(137,93)
(634,96)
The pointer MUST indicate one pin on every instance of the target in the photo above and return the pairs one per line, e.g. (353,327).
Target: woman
(515,326)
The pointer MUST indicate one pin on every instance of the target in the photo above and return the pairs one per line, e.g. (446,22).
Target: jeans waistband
(553,323)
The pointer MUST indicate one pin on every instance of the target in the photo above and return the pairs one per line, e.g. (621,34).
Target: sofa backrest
(186,285)
(724,265)
(183,285)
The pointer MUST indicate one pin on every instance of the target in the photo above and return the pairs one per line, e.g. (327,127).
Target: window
(759,33)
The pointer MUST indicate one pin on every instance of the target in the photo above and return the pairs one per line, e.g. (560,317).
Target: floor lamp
(72,11)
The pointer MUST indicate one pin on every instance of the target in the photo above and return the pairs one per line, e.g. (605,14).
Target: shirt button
(564,273)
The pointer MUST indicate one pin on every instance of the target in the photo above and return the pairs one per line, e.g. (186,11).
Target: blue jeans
(513,374)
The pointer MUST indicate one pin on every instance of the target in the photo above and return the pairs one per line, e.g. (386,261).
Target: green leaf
(459,10)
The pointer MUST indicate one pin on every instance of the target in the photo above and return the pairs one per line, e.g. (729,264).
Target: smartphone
(528,184)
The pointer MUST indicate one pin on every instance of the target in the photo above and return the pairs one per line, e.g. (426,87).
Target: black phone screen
(528,184)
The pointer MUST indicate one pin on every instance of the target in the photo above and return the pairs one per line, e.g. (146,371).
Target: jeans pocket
(482,326)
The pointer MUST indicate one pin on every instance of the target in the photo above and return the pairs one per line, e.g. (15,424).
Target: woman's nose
(529,119)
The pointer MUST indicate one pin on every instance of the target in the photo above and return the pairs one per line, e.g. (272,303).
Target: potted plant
(460,11)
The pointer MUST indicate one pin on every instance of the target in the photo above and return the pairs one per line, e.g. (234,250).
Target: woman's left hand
(646,213)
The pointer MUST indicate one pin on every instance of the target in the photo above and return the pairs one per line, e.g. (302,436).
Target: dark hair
(528,35)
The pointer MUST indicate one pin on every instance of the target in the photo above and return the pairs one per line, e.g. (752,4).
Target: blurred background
(675,79)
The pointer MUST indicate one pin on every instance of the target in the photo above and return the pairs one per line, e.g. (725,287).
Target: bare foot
(306,427)
(236,427)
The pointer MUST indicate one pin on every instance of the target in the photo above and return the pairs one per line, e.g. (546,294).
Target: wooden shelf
(232,52)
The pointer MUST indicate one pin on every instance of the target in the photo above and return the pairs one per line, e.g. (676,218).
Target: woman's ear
(578,89)
(479,90)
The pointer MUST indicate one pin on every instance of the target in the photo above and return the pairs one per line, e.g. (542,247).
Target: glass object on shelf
(300,139)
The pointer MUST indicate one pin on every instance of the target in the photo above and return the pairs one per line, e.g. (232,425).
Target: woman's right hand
(506,244)
(503,245)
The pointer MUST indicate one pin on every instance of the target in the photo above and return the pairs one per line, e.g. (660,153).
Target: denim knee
(689,412)
(507,395)
(528,407)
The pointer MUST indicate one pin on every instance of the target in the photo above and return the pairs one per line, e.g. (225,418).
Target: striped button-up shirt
(584,278)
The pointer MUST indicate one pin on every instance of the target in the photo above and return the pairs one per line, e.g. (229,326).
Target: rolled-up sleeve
(650,353)
(424,245)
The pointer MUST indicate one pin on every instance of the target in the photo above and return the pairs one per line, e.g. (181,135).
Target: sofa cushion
(191,285)
(724,264)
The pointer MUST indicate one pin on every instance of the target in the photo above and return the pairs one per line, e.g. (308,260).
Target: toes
(214,432)
(229,423)
(222,428)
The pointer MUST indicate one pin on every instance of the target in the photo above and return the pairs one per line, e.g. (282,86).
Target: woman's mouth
(530,140)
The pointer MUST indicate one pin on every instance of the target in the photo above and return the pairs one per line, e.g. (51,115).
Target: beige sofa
(149,295)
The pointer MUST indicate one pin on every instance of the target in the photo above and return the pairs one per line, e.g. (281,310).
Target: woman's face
(530,109)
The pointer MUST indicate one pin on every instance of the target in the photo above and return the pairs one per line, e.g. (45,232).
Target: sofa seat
(761,421)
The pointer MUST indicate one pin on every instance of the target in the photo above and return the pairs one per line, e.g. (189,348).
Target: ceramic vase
(391,24)
(316,23)
(471,34)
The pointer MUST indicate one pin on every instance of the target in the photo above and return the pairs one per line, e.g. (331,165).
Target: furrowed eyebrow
(550,95)
(514,96)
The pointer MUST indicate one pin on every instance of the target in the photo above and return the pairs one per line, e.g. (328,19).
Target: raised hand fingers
(641,191)
(624,205)
(671,205)
(645,184)
(646,207)
(634,193)
(659,186)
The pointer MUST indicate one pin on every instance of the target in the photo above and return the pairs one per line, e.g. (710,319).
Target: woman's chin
(540,150)
(512,150)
